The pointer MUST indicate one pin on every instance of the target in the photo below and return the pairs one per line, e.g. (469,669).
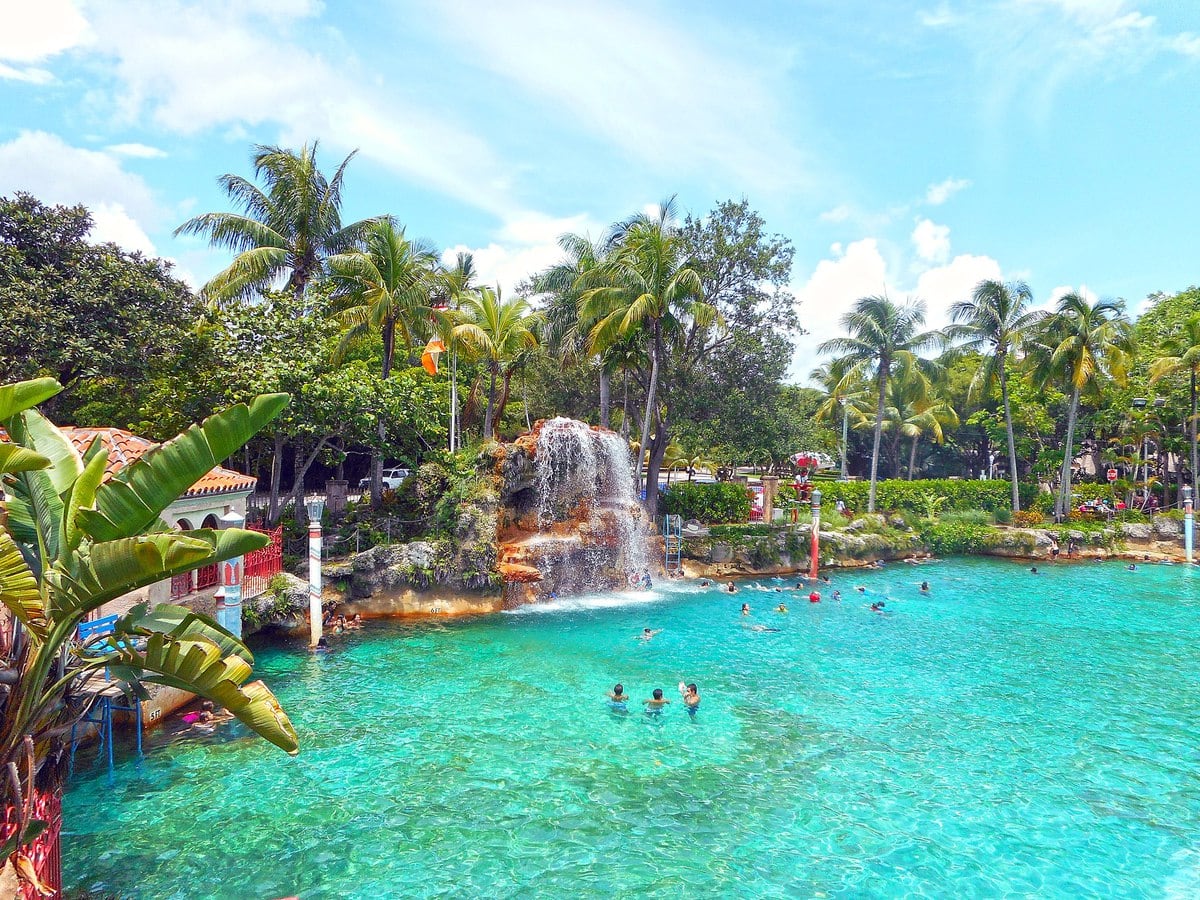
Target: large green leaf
(19,590)
(82,495)
(36,511)
(23,395)
(20,459)
(104,571)
(180,623)
(39,434)
(197,665)
(133,500)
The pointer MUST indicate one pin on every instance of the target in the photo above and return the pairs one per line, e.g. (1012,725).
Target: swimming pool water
(1006,734)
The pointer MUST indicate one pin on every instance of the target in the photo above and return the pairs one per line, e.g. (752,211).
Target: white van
(392,479)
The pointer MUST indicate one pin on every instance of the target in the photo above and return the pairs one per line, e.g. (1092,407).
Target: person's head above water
(692,687)
(658,694)
(861,589)
(645,631)
(618,689)
(745,607)
(924,585)
(1033,570)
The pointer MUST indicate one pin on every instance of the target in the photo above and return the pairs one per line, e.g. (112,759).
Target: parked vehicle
(392,479)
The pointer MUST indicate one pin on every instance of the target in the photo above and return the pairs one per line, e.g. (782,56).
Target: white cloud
(42,164)
(29,74)
(164,70)
(1063,289)
(663,94)
(524,245)
(35,30)
(931,241)
(839,213)
(863,269)
(139,151)
(937,194)
(1186,43)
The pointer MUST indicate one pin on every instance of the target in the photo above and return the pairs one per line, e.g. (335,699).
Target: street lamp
(315,509)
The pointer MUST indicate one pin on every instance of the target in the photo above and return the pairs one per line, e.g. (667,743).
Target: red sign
(1112,475)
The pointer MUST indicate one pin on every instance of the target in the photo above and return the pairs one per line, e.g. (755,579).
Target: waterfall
(585,482)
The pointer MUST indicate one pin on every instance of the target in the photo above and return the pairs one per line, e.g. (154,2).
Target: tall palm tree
(1185,349)
(644,284)
(881,335)
(993,323)
(499,330)
(1075,346)
(289,227)
(383,288)
(454,286)
(847,395)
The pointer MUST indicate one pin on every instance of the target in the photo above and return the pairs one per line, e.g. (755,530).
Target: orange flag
(429,359)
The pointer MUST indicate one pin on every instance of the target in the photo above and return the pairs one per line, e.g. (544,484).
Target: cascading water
(592,531)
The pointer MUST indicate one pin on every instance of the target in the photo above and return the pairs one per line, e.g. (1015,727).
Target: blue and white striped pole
(315,509)
(1189,525)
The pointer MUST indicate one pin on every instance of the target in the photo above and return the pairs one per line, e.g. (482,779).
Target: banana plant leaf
(104,571)
(34,431)
(35,513)
(133,500)
(80,496)
(179,622)
(197,665)
(23,395)
(19,590)
(19,459)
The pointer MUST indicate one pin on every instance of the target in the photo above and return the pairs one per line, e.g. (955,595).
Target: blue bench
(103,706)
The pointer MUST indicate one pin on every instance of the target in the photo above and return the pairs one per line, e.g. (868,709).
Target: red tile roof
(124,447)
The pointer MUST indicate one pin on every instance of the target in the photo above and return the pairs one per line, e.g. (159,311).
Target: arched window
(210,521)
(183,525)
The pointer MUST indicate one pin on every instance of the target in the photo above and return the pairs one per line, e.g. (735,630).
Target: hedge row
(914,496)
(709,503)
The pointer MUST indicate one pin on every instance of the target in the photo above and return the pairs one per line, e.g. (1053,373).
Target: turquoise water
(1008,734)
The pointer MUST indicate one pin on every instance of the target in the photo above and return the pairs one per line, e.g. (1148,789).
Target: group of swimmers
(641,582)
(618,700)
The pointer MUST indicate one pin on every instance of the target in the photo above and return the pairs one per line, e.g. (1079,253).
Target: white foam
(605,600)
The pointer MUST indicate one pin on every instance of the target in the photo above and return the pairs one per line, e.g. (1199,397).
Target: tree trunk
(1012,444)
(487,416)
(525,400)
(502,403)
(658,449)
(625,410)
(453,400)
(303,464)
(1194,454)
(845,438)
(389,350)
(912,457)
(1064,489)
(883,377)
(276,475)
(605,395)
(650,397)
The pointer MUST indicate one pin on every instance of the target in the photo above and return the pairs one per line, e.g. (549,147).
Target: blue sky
(908,147)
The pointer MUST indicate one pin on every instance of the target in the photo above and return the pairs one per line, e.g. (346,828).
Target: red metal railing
(260,565)
(46,851)
(208,576)
(181,585)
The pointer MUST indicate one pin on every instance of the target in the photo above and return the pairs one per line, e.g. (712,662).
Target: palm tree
(993,323)
(1185,347)
(383,287)
(290,226)
(454,286)
(881,336)
(846,394)
(1076,345)
(498,330)
(644,284)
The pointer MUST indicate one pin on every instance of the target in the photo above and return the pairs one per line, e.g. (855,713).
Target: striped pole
(816,533)
(314,578)
(229,597)
(1189,525)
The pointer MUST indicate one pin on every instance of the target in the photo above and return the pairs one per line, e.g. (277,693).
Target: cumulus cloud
(36,31)
(931,241)
(839,213)
(44,165)
(863,268)
(937,194)
(138,151)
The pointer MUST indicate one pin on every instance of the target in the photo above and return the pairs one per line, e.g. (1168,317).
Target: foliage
(945,538)
(114,328)
(912,496)
(708,502)
(967,517)
(1028,518)
(71,542)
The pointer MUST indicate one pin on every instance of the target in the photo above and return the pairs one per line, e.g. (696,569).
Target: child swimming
(618,700)
(655,704)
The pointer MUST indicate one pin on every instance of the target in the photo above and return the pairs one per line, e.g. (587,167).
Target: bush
(1042,503)
(735,531)
(1029,518)
(914,497)
(1002,516)
(946,538)
(967,517)
(709,503)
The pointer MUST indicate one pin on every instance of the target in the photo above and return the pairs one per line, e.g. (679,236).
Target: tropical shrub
(71,542)
(1029,518)
(947,538)
(967,517)
(914,497)
(727,501)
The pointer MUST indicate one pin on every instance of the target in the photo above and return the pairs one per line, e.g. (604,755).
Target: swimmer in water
(781,608)
(861,589)
(760,628)
(877,606)
(618,700)
(691,698)
(648,633)
(656,703)
(704,583)
(731,588)
(1131,567)
(779,590)
(825,578)
(924,587)
(322,646)
(1033,570)
(745,609)
(837,595)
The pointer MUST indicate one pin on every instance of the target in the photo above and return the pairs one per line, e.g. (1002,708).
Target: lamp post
(1189,524)
(315,508)
(229,597)
(816,533)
